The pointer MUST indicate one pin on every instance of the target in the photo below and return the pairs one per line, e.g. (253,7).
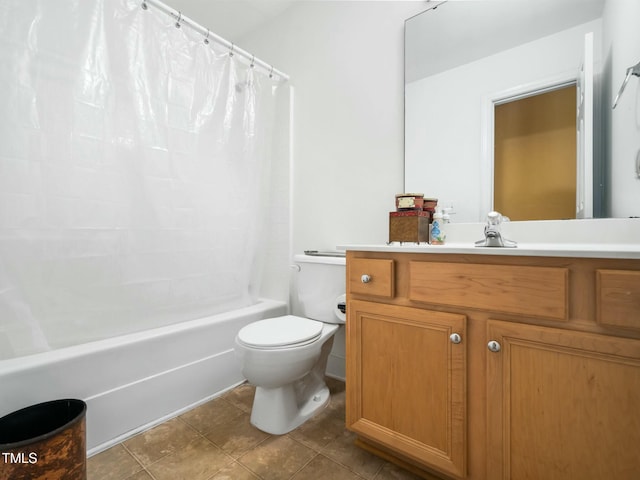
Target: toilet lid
(280,331)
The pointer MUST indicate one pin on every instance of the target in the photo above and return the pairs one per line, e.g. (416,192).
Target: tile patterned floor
(215,441)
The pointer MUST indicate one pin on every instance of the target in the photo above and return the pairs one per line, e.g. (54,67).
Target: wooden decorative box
(409,226)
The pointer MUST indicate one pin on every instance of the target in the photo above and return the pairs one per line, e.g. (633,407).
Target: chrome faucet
(492,235)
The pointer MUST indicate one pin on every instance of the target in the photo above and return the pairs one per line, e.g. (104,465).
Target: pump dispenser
(446,214)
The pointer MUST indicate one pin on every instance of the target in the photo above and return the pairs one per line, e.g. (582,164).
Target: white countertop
(591,238)
(586,250)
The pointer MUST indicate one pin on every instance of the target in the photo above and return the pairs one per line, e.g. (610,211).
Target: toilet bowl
(286,357)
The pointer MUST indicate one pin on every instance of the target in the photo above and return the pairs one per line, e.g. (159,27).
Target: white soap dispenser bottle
(438,235)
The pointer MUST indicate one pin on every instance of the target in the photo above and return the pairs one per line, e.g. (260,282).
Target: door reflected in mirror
(535,156)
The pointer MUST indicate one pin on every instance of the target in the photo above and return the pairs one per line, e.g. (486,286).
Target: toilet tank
(319,284)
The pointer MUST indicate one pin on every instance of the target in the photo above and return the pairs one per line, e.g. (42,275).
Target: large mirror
(470,63)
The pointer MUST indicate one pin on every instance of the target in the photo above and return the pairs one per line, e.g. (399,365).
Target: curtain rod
(208,36)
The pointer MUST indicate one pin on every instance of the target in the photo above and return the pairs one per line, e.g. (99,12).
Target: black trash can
(46,441)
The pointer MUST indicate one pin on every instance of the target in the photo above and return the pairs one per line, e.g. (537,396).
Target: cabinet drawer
(523,290)
(618,298)
(369,276)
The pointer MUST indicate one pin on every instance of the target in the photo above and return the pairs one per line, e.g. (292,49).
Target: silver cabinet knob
(493,346)
(455,338)
(365,278)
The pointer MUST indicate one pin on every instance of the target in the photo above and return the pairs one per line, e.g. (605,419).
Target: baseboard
(336,367)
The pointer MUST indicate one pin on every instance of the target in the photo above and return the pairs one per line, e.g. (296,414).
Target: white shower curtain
(133,159)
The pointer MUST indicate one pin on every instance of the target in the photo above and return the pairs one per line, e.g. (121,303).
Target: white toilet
(286,357)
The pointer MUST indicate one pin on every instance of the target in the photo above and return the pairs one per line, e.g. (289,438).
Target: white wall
(445,116)
(622,50)
(345,60)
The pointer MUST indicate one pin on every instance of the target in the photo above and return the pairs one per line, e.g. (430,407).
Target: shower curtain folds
(128,151)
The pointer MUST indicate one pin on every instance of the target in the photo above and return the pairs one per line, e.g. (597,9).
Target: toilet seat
(280,332)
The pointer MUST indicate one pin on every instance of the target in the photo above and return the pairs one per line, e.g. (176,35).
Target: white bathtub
(135,381)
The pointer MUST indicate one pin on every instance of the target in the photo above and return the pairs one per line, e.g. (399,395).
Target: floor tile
(236,436)
(216,441)
(323,468)
(389,471)
(241,396)
(319,431)
(142,475)
(337,407)
(211,415)
(277,458)
(343,451)
(115,463)
(199,460)
(235,471)
(166,438)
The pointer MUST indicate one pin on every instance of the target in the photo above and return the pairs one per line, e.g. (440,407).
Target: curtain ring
(179,18)
(253,58)
(144,5)
(271,72)
(206,38)
(231,49)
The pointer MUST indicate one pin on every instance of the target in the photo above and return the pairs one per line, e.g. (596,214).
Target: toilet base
(276,410)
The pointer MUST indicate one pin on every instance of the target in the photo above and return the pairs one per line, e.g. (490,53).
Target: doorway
(535,156)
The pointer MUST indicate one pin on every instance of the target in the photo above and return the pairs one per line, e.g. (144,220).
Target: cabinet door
(406,385)
(562,405)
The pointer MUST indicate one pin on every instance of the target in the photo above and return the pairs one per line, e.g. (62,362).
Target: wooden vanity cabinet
(490,367)
(562,404)
(407,381)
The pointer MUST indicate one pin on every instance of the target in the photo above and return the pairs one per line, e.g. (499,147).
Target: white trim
(489,102)
(584,137)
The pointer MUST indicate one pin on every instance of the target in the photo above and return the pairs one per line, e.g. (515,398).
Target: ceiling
(230,19)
